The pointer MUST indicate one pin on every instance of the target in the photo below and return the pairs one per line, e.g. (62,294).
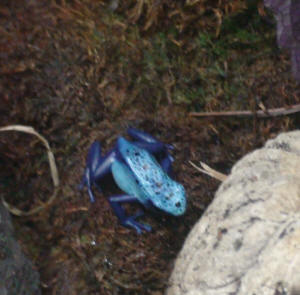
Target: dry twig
(209,171)
(260,113)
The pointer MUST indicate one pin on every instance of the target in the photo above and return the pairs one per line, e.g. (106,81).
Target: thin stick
(260,113)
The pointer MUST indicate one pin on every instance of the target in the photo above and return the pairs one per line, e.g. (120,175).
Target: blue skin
(135,169)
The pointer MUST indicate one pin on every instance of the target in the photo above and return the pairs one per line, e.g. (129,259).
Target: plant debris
(53,169)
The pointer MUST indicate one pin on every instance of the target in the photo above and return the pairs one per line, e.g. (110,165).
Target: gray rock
(17,275)
(248,240)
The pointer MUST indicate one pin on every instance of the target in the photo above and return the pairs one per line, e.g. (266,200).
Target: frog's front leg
(154,146)
(128,221)
(96,167)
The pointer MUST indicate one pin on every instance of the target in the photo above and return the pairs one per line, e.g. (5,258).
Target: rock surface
(248,240)
(17,275)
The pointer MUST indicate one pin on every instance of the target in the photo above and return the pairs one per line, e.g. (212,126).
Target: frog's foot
(128,221)
(86,181)
(93,161)
(138,226)
(154,146)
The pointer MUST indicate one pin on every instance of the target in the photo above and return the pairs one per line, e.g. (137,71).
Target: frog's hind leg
(128,221)
(166,164)
(96,167)
(159,149)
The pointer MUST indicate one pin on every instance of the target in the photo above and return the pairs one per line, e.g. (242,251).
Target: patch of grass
(190,68)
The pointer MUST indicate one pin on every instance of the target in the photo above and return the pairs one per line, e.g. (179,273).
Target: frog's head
(172,200)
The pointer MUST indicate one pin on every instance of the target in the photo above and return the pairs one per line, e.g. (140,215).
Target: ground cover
(84,70)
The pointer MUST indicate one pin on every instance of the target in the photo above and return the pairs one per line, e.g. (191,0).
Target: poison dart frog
(143,171)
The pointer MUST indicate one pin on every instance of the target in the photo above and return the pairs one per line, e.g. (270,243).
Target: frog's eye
(178,204)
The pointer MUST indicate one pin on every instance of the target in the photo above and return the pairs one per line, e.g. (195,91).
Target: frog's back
(155,184)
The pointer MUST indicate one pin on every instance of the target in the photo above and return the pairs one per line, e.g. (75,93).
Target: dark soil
(78,71)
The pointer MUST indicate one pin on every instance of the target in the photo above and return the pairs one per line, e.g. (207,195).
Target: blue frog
(142,169)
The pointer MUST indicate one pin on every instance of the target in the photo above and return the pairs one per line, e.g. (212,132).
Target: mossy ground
(79,71)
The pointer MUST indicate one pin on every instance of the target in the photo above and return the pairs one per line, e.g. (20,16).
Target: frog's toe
(146,227)
(169,146)
(138,226)
(91,195)
(82,184)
